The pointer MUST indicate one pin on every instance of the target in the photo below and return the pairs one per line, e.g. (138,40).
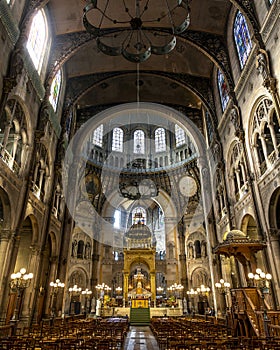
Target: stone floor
(140,338)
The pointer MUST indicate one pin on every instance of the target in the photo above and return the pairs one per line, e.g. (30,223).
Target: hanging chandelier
(136,29)
(138,189)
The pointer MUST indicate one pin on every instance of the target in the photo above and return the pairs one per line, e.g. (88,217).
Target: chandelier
(136,29)
(135,189)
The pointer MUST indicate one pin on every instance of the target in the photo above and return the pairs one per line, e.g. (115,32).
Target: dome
(138,231)
(235,235)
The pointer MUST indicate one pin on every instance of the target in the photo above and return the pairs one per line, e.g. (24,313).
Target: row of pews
(194,334)
(75,334)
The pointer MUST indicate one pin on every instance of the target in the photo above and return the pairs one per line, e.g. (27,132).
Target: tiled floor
(140,338)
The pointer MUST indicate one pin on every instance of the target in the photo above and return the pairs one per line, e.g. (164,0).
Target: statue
(74,248)
(98,308)
(87,251)
(262,64)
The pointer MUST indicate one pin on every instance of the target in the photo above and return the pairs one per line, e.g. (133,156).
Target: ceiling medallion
(136,29)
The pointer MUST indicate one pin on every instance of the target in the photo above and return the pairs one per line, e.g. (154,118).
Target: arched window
(197,247)
(36,42)
(55,88)
(242,38)
(117,142)
(139,214)
(80,251)
(139,142)
(180,136)
(223,89)
(97,136)
(265,136)
(117,219)
(160,143)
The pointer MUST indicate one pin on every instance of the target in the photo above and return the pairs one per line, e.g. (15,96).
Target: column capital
(5,235)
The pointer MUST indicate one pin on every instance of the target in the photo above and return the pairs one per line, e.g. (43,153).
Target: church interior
(140,174)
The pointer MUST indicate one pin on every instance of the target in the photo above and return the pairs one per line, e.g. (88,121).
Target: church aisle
(140,338)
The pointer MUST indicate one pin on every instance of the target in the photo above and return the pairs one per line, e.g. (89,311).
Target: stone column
(153,286)
(264,147)
(207,205)
(182,255)
(274,140)
(125,285)
(5,236)
(6,136)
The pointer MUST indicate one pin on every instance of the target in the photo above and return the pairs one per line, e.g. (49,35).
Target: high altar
(139,249)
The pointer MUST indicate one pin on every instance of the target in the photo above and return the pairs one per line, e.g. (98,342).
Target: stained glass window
(160,143)
(55,88)
(139,215)
(223,89)
(139,142)
(117,142)
(242,38)
(97,136)
(37,37)
(180,136)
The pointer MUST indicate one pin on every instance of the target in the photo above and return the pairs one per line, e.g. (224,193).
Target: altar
(139,303)
(139,296)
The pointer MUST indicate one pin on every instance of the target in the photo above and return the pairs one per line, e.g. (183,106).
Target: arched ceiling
(182,77)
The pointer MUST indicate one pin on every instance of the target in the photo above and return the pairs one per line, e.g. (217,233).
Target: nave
(164,333)
(140,338)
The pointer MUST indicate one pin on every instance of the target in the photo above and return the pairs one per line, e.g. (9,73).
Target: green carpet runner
(140,316)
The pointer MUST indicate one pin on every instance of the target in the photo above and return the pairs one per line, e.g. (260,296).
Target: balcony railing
(9,161)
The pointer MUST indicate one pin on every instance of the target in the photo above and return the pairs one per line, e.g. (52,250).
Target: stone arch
(35,227)
(6,210)
(26,239)
(78,275)
(200,276)
(249,227)
(54,244)
(274,210)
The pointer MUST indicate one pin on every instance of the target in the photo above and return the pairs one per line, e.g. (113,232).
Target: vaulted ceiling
(182,77)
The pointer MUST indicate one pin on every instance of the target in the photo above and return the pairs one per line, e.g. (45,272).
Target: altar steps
(140,316)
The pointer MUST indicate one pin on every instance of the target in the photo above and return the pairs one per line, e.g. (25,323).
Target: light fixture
(20,280)
(136,29)
(56,286)
(222,286)
(138,188)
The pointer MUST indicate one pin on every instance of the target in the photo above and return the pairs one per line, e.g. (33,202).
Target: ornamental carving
(214,46)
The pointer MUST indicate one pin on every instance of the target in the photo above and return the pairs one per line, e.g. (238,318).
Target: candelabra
(102,290)
(119,290)
(160,290)
(18,283)
(191,295)
(56,287)
(223,288)
(177,289)
(75,292)
(87,294)
(261,280)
